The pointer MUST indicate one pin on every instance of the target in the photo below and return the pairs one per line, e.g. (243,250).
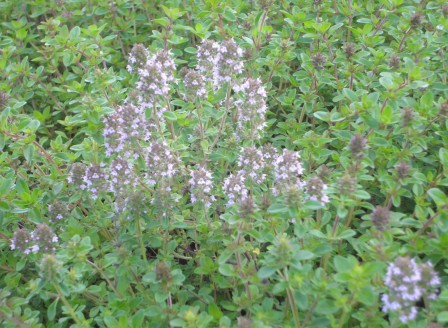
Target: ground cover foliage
(223,163)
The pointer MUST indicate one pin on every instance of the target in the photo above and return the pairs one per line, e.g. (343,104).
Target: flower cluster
(42,239)
(357,145)
(287,171)
(219,63)
(318,61)
(94,180)
(124,128)
(251,164)
(57,211)
(251,108)
(316,189)
(76,174)
(408,281)
(132,204)
(201,185)
(161,162)
(347,185)
(120,176)
(235,189)
(137,58)
(194,83)
(155,77)
(380,217)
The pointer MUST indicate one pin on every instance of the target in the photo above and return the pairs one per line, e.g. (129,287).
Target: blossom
(125,128)
(161,162)
(201,185)
(235,189)
(251,107)
(219,63)
(316,190)
(407,282)
(251,164)
(287,172)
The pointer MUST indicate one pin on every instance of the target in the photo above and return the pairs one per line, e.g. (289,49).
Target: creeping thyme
(57,211)
(194,83)
(21,241)
(316,190)
(161,162)
(251,108)
(407,281)
(380,217)
(251,164)
(155,78)
(357,145)
(318,61)
(287,172)
(94,180)
(219,63)
(124,129)
(235,189)
(42,240)
(201,185)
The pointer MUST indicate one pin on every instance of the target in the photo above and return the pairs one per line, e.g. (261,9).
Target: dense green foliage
(138,236)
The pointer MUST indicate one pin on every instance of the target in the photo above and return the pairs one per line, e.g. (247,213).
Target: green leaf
(51,312)
(170,116)
(304,255)
(387,82)
(21,34)
(137,319)
(347,234)
(312,205)
(226,270)
(442,317)
(28,152)
(266,272)
(74,33)
(110,321)
(342,211)
(344,264)
(323,116)
(367,296)
(386,115)
(5,186)
(443,154)
(438,197)
(278,208)
(228,15)
(362,194)
(190,50)
(214,311)
(326,307)
(350,94)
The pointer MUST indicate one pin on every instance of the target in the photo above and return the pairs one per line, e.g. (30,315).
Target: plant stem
(139,236)
(290,296)
(67,305)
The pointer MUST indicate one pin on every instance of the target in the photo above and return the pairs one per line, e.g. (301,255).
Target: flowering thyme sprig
(219,63)
(42,240)
(251,108)
(287,172)
(235,189)
(407,282)
(201,185)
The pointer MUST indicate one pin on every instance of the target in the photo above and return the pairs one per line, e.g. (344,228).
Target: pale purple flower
(407,282)
(201,185)
(251,164)
(251,108)
(235,189)
(287,172)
